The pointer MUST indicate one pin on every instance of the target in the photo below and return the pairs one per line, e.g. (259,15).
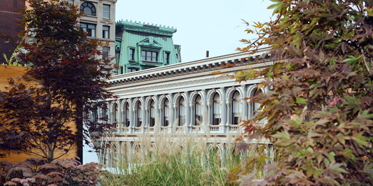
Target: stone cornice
(194,67)
(147,28)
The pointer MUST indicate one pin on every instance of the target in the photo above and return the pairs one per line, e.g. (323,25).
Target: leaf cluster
(69,72)
(319,108)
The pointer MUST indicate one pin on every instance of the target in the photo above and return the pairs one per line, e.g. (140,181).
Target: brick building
(9,24)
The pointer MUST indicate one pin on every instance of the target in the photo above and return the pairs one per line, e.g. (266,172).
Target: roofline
(188,65)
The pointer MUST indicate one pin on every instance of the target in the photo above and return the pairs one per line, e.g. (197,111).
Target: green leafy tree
(68,75)
(319,110)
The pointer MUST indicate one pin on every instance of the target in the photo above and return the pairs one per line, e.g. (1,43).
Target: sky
(213,25)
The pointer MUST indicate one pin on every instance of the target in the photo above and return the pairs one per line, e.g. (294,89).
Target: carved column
(204,106)
(132,115)
(146,116)
(143,113)
(209,112)
(109,112)
(171,114)
(244,115)
(157,113)
(223,110)
(187,109)
(119,114)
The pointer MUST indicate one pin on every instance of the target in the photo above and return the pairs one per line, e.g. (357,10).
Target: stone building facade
(99,21)
(141,46)
(186,96)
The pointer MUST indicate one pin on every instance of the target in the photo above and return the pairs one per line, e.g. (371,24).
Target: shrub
(320,107)
(36,172)
(178,158)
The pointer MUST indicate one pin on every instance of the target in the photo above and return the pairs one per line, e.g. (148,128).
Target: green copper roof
(145,27)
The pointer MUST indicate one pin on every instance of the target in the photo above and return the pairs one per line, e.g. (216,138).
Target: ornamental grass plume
(171,158)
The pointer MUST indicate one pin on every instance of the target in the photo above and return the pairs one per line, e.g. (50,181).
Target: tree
(319,110)
(69,75)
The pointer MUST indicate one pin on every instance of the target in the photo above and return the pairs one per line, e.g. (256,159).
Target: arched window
(166,112)
(198,110)
(181,111)
(127,115)
(88,8)
(94,114)
(115,114)
(235,108)
(152,113)
(104,114)
(216,109)
(139,115)
(255,106)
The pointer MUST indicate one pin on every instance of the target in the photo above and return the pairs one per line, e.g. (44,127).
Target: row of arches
(224,106)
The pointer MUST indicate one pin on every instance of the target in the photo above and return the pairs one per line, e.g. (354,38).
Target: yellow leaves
(370,11)
(259,24)
(228,65)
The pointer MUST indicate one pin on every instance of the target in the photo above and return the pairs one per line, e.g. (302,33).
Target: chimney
(207,53)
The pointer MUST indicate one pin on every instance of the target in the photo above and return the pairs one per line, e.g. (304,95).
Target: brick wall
(9,20)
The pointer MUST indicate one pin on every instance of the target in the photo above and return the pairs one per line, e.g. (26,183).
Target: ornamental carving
(174,85)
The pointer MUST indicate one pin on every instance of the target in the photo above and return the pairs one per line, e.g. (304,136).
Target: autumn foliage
(70,73)
(319,109)
(38,172)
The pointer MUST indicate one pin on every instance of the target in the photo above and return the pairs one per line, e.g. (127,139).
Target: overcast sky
(214,25)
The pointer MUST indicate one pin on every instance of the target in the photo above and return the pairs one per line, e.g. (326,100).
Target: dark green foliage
(48,117)
(320,110)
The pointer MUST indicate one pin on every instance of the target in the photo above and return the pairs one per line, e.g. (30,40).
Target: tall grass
(178,158)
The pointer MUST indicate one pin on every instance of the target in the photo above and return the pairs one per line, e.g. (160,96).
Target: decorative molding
(241,59)
(174,85)
(146,27)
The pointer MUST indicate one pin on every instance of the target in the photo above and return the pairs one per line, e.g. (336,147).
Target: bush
(37,172)
(319,108)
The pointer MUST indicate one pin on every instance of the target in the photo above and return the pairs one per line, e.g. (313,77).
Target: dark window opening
(198,110)
(167,58)
(88,8)
(235,108)
(149,56)
(152,114)
(132,54)
(89,28)
(105,32)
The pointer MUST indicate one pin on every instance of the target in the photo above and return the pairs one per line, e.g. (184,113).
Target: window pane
(88,8)
(87,11)
(92,30)
(216,109)
(167,58)
(143,55)
(128,116)
(235,107)
(106,11)
(154,56)
(132,52)
(105,32)
(148,56)
(83,26)
(139,118)
(166,112)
